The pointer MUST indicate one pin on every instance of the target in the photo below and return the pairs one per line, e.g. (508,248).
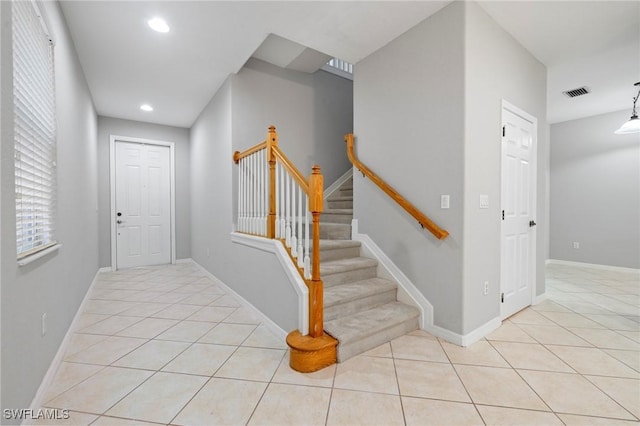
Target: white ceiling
(592,43)
(582,43)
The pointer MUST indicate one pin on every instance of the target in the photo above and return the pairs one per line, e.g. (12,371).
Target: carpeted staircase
(360,308)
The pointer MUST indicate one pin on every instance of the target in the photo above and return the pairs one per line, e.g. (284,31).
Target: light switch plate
(484,201)
(444,201)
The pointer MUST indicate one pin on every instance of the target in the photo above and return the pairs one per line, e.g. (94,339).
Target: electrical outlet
(44,323)
(486,288)
(576,245)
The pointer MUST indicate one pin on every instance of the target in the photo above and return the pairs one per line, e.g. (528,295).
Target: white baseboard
(468,339)
(298,284)
(185,260)
(59,357)
(338,183)
(105,269)
(272,326)
(591,265)
(539,299)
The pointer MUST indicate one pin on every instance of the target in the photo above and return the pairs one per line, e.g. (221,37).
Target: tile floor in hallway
(167,345)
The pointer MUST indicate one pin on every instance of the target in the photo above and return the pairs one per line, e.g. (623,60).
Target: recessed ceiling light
(146,107)
(159,25)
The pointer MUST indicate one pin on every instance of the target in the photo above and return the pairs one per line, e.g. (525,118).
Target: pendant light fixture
(633,125)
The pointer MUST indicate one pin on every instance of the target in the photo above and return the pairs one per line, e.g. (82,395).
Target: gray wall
(497,67)
(595,191)
(312,113)
(2,137)
(253,274)
(108,126)
(409,128)
(57,283)
(427,120)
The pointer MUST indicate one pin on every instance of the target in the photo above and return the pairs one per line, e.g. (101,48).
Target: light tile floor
(166,345)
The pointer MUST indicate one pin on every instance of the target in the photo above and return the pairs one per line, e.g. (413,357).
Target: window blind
(34,130)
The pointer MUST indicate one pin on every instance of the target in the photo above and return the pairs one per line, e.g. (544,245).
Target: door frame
(507,106)
(113,139)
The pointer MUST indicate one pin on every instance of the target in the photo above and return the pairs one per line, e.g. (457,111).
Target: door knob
(532,223)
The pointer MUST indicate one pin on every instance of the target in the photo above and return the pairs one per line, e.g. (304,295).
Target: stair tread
(341,198)
(337,211)
(360,289)
(366,323)
(343,265)
(338,244)
(335,224)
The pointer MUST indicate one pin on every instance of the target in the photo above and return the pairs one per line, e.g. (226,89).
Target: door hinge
(501,297)
(502,214)
(504,131)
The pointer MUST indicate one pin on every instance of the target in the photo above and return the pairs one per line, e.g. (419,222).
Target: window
(34,130)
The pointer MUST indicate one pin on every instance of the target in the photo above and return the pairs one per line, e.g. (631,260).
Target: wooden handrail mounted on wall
(317,349)
(422,219)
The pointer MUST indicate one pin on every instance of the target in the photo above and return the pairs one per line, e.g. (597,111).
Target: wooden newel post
(316,190)
(272,142)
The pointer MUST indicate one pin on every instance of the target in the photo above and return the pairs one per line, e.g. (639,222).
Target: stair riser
(337,254)
(346,192)
(336,233)
(346,351)
(336,218)
(340,204)
(362,304)
(348,276)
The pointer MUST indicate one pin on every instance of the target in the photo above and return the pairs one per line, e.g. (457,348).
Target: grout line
(167,279)
(395,372)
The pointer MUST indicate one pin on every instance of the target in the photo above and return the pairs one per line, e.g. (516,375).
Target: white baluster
(265,195)
(299,216)
(265,212)
(259,193)
(256,172)
(277,231)
(265,192)
(247,193)
(253,194)
(239,195)
(245,171)
(307,257)
(256,192)
(242,195)
(294,237)
(283,176)
(288,209)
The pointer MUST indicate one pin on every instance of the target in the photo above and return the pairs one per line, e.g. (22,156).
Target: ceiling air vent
(576,92)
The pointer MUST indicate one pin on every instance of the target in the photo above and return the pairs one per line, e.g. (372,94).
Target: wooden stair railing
(422,219)
(270,204)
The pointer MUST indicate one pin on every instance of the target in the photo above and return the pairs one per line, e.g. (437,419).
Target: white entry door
(518,252)
(142,204)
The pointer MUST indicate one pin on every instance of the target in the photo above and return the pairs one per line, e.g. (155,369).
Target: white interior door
(518,251)
(142,204)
